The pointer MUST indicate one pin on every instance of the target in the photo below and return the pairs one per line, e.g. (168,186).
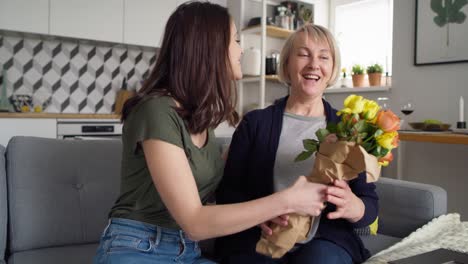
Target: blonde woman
(261,160)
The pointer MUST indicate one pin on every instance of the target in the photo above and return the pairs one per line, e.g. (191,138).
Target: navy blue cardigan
(248,175)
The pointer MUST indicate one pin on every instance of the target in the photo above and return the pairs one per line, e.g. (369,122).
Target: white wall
(435,91)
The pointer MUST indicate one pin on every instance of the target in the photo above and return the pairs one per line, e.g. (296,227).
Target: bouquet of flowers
(361,141)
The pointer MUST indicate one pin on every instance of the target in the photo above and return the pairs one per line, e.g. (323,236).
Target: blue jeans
(128,241)
(317,251)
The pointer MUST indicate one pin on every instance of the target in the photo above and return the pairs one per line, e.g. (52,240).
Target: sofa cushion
(60,191)
(68,255)
(406,206)
(3,204)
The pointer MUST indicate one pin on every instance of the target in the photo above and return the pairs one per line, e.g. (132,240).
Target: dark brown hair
(194,68)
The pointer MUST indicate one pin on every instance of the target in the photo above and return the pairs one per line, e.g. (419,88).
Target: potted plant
(375,74)
(357,75)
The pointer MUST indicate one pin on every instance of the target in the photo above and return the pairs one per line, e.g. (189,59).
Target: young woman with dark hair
(171,162)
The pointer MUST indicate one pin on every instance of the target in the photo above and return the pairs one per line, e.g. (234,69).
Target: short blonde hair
(316,33)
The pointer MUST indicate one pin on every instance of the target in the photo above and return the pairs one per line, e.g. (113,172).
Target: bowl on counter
(429,127)
(21,101)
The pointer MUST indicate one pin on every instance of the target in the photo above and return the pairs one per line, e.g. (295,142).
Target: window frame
(389,52)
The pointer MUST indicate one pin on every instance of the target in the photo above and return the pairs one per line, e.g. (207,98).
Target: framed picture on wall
(441,32)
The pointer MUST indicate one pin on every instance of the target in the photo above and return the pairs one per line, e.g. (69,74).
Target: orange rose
(396,141)
(385,160)
(388,157)
(388,121)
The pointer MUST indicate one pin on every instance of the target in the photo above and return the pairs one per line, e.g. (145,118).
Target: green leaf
(448,11)
(367,146)
(341,130)
(332,127)
(303,156)
(384,151)
(378,132)
(310,144)
(376,151)
(441,18)
(455,13)
(360,126)
(321,134)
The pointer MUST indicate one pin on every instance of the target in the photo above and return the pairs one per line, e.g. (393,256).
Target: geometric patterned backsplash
(76,76)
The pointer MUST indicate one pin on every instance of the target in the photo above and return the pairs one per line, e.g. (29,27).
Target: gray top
(295,129)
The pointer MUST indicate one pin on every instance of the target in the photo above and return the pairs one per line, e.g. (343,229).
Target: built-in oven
(89,129)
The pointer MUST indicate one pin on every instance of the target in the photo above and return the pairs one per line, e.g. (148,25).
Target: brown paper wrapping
(341,160)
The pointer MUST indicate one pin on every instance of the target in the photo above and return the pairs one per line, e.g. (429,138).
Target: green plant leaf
(363,137)
(360,126)
(376,68)
(332,127)
(378,132)
(357,69)
(367,146)
(321,134)
(303,156)
(384,151)
(310,144)
(376,151)
(341,130)
(448,11)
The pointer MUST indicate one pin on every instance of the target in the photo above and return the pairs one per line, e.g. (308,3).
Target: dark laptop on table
(438,256)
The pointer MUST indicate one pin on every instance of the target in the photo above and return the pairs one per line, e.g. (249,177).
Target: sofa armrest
(406,206)
(3,205)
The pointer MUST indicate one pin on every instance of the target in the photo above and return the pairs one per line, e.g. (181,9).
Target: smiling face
(310,66)
(235,53)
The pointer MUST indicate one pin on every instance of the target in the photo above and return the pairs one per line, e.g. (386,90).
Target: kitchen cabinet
(25,15)
(145,20)
(37,127)
(88,19)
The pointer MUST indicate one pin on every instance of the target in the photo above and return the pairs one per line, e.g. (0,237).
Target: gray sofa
(58,194)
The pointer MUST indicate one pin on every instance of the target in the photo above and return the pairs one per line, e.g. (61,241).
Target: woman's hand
(348,205)
(306,198)
(281,220)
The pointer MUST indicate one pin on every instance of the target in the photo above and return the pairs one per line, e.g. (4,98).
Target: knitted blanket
(446,231)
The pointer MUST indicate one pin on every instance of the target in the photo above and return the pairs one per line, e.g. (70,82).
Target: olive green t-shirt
(155,118)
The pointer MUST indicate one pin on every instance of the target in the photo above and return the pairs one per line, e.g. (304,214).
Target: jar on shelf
(282,20)
(251,61)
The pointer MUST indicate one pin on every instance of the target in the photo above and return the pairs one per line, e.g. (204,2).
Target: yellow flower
(388,140)
(384,163)
(370,109)
(353,104)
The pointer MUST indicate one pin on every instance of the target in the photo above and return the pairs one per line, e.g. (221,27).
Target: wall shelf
(274,78)
(358,90)
(252,78)
(272,31)
(269,2)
